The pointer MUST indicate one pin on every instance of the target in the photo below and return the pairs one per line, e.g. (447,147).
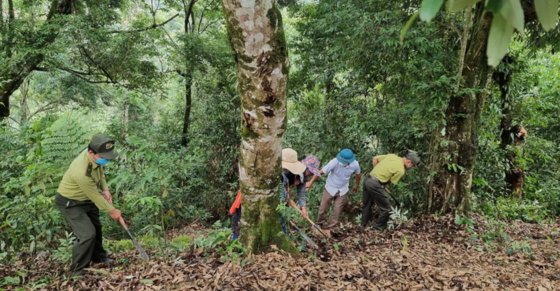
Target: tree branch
(188,13)
(145,28)
(464,41)
(49,106)
(98,66)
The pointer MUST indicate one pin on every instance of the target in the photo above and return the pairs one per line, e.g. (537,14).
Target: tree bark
(456,152)
(514,176)
(188,76)
(257,37)
(188,106)
(12,76)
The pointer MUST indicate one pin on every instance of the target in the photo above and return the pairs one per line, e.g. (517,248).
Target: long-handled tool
(394,199)
(136,245)
(307,238)
(293,205)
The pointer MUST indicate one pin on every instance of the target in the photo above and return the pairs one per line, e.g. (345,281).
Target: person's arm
(310,183)
(358,178)
(105,189)
(88,186)
(302,199)
(396,177)
(285,189)
(375,161)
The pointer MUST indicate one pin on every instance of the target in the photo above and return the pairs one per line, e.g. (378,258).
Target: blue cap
(346,156)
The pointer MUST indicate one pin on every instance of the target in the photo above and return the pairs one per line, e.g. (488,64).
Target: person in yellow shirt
(79,202)
(386,168)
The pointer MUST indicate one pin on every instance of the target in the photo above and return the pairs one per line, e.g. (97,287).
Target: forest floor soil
(430,253)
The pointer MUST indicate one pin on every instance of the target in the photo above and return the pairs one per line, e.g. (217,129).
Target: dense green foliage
(352,85)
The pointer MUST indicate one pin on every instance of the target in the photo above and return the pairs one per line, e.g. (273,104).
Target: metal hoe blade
(138,247)
(307,238)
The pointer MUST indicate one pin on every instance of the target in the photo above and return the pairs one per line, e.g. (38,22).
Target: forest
(200,97)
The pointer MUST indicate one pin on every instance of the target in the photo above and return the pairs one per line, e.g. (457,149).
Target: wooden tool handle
(293,204)
(121,221)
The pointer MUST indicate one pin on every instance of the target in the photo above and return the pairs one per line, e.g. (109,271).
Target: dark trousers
(375,192)
(83,217)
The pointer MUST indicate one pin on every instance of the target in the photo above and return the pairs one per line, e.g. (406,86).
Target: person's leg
(384,206)
(83,229)
(324,208)
(367,200)
(339,202)
(99,253)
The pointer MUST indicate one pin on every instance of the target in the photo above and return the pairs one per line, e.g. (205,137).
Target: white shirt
(339,176)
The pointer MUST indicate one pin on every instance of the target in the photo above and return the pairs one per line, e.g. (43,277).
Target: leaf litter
(428,254)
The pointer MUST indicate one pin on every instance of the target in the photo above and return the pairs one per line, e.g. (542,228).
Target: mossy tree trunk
(257,38)
(454,150)
(456,145)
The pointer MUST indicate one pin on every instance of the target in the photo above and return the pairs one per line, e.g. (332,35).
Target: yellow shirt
(389,167)
(81,180)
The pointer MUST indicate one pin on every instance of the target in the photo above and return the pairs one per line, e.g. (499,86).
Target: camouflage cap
(104,146)
(413,157)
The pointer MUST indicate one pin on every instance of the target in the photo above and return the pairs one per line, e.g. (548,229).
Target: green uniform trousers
(83,217)
(374,191)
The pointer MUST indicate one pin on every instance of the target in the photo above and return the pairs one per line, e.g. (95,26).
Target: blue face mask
(102,162)
(408,166)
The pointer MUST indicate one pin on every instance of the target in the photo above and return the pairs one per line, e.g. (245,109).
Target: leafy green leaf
(408,25)
(513,13)
(498,40)
(12,280)
(429,9)
(458,5)
(547,12)
(494,6)
(147,281)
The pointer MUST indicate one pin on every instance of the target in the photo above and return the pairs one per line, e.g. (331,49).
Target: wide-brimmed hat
(104,146)
(413,157)
(290,161)
(312,163)
(346,156)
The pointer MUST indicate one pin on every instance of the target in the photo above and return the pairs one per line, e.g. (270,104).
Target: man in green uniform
(386,168)
(79,202)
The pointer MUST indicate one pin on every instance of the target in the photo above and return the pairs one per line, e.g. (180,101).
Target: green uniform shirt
(81,180)
(389,167)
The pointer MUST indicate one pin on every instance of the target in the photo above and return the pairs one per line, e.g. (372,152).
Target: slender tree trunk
(188,106)
(126,120)
(514,176)
(12,76)
(23,103)
(451,186)
(188,7)
(257,38)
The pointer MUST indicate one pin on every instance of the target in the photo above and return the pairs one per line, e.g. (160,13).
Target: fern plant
(66,138)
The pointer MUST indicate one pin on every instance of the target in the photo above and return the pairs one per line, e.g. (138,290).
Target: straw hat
(290,161)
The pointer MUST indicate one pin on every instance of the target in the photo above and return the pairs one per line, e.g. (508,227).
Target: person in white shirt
(340,170)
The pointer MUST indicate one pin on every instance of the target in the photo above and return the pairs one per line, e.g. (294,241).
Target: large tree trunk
(12,76)
(257,37)
(456,152)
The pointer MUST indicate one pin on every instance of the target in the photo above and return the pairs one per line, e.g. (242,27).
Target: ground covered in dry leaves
(428,254)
